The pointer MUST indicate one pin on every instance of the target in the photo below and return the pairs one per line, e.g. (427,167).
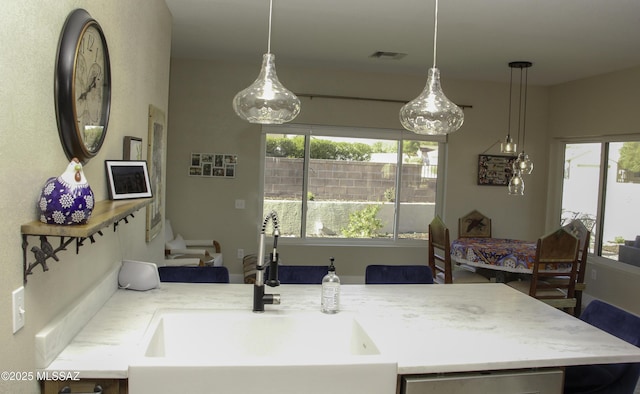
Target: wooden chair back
(580,231)
(474,225)
(556,257)
(440,249)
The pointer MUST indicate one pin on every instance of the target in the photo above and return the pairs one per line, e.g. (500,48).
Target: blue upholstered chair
(301,274)
(606,378)
(194,274)
(398,274)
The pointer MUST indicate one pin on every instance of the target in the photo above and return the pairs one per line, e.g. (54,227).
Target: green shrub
(319,149)
(363,223)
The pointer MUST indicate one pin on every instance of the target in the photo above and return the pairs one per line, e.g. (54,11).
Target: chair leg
(578,308)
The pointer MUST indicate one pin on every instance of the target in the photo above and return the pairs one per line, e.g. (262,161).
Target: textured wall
(139,39)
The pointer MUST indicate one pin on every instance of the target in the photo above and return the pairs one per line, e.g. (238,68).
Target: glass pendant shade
(516,184)
(508,146)
(523,164)
(431,112)
(267,101)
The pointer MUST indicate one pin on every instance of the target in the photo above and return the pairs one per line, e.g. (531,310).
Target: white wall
(139,40)
(201,119)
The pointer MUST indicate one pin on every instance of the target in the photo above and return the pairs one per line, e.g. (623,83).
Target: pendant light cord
(270,13)
(510,100)
(524,110)
(435,35)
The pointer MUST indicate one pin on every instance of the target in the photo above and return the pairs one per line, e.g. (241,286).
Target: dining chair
(300,274)
(440,257)
(185,274)
(606,378)
(398,274)
(474,225)
(579,230)
(555,267)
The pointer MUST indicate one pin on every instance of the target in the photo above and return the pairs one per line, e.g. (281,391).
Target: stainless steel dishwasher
(539,381)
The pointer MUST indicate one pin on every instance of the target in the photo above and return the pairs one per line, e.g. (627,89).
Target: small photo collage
(220,165)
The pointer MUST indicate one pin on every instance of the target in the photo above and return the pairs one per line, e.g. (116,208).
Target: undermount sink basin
(210,351)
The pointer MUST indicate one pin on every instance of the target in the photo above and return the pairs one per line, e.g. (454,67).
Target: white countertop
(426,328)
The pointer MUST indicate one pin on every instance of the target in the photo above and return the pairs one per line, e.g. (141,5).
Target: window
(601,187)
(347,183)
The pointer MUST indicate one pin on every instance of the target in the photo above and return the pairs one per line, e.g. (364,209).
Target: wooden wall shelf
(105,213)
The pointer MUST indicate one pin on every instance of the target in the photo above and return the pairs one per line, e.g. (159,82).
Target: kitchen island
(425,329)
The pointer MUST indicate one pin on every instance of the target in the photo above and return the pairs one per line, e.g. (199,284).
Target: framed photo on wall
(495,170)
(213,165)
(132,148)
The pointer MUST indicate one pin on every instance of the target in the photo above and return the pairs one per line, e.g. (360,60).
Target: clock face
(82,86)
(90,87)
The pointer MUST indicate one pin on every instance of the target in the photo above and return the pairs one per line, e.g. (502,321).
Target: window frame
(354,132)
(604,142)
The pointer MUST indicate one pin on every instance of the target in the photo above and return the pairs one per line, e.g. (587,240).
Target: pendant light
(508,146)
(523,163)
(432,112)
(267,101)
(516,184)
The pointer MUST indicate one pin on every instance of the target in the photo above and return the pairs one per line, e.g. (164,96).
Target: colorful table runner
(510,255)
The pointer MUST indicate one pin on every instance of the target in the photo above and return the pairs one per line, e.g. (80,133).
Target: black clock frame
(70,135)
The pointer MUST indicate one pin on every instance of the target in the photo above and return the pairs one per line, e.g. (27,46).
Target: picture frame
(155,157)
(495,170)
(132,148)
(474,225)
(128,179)
(213,165)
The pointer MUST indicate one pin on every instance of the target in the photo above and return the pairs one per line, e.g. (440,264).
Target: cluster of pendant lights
(522,165)
(267,101)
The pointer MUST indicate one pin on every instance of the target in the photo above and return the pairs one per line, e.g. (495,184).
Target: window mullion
(305,184)
(396,205)
(602,196)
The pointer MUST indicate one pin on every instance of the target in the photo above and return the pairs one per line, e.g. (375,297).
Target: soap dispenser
(331,290)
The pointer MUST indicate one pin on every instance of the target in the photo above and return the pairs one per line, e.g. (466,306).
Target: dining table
(502,255)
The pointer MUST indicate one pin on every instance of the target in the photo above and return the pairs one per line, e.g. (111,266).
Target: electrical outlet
(594,274)
(17,297)
(240,253)
(239,204)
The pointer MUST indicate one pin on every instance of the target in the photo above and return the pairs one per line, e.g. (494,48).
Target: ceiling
(565,39)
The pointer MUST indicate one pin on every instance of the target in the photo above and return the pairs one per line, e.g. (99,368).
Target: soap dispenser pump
(331,290)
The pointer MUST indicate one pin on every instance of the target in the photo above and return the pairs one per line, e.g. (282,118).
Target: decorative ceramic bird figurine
(67,199)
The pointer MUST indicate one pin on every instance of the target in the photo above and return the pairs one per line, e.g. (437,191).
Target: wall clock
(82,86)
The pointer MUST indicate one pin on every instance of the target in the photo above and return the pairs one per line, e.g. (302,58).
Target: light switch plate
(17,297)
(239,204)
